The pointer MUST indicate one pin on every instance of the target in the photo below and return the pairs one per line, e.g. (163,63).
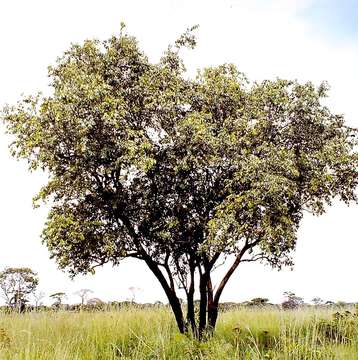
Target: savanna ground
(151,334)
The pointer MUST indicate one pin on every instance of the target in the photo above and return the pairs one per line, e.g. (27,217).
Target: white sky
(266,39)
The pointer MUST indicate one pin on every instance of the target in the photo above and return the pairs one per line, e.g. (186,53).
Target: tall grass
(151,334)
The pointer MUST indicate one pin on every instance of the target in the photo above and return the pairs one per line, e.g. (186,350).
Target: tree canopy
(58,297)
(145,162)
(17,284)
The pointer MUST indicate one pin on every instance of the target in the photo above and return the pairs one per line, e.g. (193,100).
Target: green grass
(151,334)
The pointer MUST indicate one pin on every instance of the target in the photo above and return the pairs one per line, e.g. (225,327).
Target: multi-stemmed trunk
(198,264)
(202,325)
(205,324)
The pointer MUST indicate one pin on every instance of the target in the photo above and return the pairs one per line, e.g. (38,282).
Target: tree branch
(233,267)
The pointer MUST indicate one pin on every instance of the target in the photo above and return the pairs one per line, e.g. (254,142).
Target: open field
(151,334)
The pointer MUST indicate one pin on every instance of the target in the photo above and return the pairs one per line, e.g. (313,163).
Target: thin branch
(183,282)
(218,265)
(256,257)
(233,267)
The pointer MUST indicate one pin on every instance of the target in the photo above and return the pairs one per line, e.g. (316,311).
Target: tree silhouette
(16,285)
(58,297)
(38,296)
(83,294)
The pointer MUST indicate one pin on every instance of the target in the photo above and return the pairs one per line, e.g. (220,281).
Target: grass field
(151,334)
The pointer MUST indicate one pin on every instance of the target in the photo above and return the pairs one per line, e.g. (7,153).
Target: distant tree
(258,301)
(83,294)
(38,296)
(180,173)
(58,297)
(317,301)
(134,290)
(95,301)
(16,285)
(292,301)
(329,303)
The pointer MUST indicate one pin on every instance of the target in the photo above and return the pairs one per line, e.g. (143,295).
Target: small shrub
(339,328)
(4,338)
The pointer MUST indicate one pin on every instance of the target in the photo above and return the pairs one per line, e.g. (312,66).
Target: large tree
(16,285)
(180,173)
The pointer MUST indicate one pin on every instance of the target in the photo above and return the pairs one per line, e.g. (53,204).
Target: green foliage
(144,162)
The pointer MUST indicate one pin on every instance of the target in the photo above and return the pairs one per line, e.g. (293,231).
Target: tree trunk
(170,293)
(178,313)
(190,303)
(209,302)
(212,307)
(213,311)
(203,305)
